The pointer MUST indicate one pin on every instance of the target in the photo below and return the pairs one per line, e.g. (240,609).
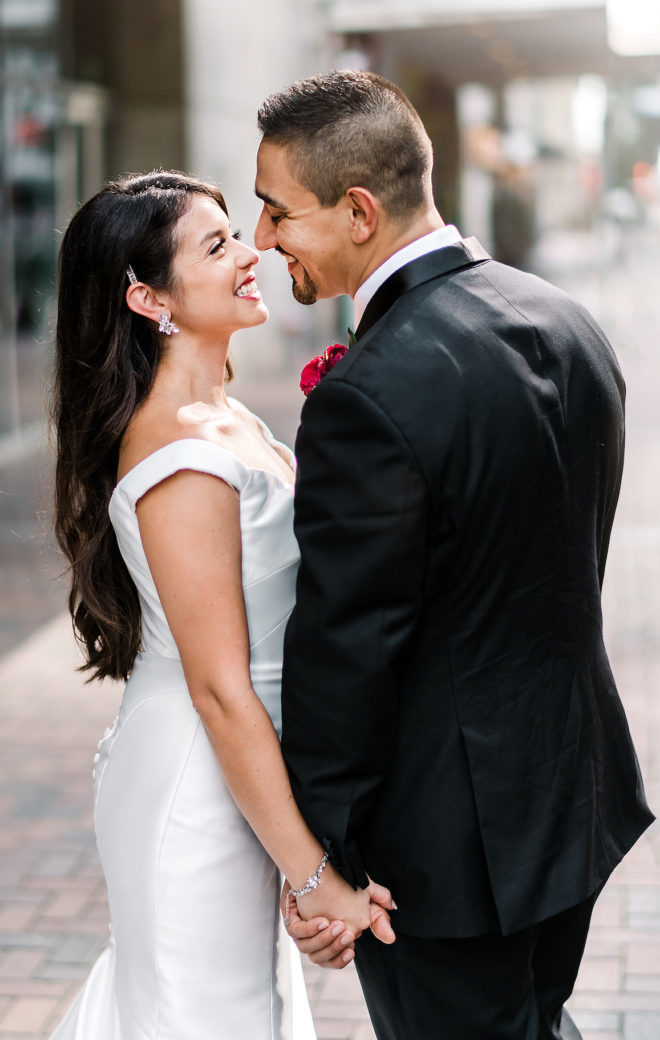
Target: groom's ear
(363,214)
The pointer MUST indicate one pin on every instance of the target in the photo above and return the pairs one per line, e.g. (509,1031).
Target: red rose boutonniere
(314,370)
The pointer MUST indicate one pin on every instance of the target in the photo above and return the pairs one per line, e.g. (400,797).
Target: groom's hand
(327,943)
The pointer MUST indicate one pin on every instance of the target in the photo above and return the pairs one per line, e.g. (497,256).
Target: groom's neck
(390,237)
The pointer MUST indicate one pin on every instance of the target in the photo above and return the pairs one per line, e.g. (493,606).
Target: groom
(451,724)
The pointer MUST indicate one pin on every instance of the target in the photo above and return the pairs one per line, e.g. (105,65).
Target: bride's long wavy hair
(106,358)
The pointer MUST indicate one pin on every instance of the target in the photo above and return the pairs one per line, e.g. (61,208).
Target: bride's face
(215,290)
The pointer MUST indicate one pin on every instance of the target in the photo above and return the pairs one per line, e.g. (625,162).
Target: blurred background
(545,117)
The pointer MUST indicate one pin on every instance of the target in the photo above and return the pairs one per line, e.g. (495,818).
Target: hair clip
(132,277)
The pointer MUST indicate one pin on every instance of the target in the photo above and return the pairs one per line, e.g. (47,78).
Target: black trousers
(491,987)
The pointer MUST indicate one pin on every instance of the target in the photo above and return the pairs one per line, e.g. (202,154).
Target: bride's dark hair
(106,359)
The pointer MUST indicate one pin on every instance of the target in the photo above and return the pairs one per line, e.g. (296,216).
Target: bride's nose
(247,256)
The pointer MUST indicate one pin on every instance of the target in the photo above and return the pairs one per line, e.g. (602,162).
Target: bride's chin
(257,316)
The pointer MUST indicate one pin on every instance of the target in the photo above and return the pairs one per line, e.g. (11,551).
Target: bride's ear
(142,300)
(363,212)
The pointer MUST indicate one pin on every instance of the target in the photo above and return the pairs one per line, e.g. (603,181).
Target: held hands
(329,940)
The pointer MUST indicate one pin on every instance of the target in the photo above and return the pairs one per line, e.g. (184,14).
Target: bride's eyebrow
(218,233)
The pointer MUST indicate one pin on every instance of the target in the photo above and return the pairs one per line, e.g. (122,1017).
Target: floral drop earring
(166,325)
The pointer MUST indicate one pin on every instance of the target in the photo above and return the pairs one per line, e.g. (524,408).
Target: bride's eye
(217,246)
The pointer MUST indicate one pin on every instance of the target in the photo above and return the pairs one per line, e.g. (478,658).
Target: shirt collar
(444,236)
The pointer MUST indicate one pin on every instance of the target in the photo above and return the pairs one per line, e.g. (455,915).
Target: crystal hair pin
(132,277)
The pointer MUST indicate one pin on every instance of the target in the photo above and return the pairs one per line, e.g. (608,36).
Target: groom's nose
(265,236)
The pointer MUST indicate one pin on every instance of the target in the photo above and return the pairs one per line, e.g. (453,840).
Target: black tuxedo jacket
(451,724)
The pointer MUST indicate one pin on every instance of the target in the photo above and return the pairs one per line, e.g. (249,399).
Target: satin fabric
(197,951)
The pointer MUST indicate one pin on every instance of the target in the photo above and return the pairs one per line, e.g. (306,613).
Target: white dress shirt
(444,236)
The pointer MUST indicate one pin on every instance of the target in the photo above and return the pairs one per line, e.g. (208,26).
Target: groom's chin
(307,293)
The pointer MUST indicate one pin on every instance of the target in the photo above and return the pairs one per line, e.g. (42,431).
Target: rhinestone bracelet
(313,881)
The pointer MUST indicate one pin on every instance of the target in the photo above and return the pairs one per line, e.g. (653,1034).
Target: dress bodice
(269,552)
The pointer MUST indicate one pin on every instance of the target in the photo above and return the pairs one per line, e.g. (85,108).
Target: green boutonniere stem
(351,337)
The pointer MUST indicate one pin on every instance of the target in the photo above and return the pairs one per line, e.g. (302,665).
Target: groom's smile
(309,236)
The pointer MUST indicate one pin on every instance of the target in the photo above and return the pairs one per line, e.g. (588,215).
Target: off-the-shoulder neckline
(200,440)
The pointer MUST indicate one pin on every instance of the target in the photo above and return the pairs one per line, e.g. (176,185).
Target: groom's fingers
(331,948)
(296,927)
(327,943)
(322,944)
(338,962)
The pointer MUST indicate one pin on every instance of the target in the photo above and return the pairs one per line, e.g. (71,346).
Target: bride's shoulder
(153,440)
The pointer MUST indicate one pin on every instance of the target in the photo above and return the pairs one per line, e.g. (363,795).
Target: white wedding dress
(197,951)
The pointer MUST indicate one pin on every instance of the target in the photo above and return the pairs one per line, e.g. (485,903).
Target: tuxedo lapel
(432,265)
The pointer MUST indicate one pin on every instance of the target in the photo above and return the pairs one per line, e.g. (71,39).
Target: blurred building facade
(538,124)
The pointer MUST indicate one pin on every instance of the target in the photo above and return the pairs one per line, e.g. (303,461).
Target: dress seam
(271,574)
(158,863)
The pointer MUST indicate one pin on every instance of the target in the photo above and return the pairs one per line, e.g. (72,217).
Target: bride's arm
(190,529)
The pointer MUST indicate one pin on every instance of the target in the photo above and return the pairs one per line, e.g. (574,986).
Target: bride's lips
(248,290)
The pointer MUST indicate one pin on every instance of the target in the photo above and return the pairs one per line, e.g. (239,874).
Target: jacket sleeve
(361,524)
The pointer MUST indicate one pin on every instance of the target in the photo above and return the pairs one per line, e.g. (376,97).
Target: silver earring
(166,325)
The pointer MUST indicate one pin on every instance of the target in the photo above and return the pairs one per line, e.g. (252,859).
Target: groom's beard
(306,293)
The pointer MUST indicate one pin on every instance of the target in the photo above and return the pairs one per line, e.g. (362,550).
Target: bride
(174,509)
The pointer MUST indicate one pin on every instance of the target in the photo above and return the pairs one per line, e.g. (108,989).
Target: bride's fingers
(380,894)
(380,924)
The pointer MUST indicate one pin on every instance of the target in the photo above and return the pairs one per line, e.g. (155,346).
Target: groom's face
(311,238)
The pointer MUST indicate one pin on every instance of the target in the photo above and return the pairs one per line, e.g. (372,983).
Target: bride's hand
(381,902)
(329,943)
(336,900)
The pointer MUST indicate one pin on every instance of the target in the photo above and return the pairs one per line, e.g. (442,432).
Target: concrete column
(234,58)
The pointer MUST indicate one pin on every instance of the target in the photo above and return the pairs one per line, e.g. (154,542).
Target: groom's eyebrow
(268,199)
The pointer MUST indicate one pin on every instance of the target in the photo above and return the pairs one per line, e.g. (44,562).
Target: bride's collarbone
(238,432)
(257,455)
(243,435)
(246,441)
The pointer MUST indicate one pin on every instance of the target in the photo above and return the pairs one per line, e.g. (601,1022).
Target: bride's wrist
(310,885)
(303,885)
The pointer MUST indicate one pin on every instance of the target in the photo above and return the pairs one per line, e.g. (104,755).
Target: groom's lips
(291,261)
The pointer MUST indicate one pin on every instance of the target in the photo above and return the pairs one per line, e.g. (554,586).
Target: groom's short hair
(347,129)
